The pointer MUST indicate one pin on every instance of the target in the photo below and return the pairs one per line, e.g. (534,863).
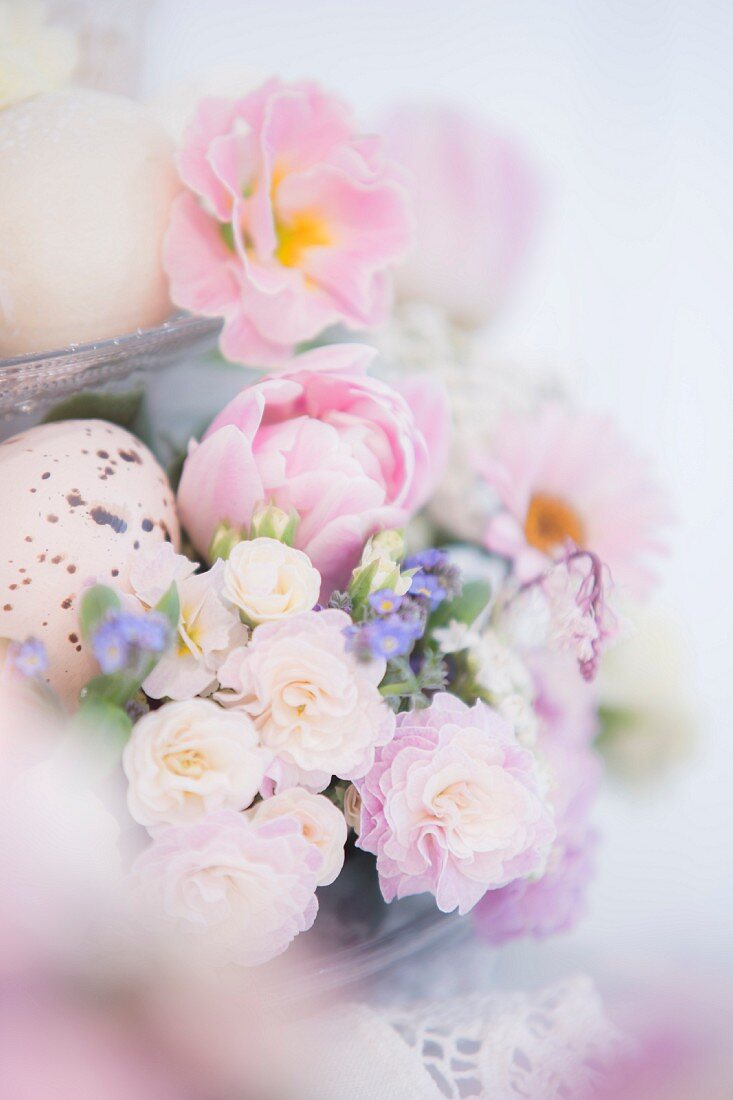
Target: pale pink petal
(220,481)
(198,263)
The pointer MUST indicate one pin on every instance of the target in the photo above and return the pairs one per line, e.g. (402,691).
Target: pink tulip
(476,205)
(342,449)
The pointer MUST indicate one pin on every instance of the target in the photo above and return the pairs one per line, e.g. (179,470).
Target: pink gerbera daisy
(566,477)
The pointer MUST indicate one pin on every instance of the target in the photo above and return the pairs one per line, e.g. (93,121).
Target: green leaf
(465,608)
(170,606)
(95,714)
(96,604)
(117,408)
(361,582)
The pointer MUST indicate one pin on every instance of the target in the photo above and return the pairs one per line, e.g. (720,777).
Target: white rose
(34,56)
(320,822)
(268,580)
(191,758)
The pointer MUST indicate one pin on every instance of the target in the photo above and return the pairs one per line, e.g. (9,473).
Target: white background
(626,106)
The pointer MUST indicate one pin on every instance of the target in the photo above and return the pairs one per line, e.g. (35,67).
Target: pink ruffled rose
(315,705)
(453,806)
(291,221)
(343,449)
(241,891)
(476,203)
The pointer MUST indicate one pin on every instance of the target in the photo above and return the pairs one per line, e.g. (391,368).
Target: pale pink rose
(476,206)
(241,892)
(563,477)
(321,823)
(314,704)
(339,447)
(291,223)
(453,806)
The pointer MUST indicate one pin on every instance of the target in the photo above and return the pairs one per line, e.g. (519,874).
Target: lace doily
(552,1043)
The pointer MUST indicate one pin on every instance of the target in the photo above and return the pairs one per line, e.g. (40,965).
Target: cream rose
(320,822)
(268,580)
(191,758)
(314,704)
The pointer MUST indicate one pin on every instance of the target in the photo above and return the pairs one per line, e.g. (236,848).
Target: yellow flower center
(191,763)
(551,522)
(304,231)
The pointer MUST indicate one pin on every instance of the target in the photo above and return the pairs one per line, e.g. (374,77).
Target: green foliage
(117,408)
(465,607)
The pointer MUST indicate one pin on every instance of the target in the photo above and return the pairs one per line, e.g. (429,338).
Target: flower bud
(385,544)
(225,539)
(271,522)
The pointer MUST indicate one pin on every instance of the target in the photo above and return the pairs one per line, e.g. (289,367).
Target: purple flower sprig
(393,625)
(123,639)
(435,579)
(28,659)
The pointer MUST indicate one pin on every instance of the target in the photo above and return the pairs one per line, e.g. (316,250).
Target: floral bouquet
(382,625)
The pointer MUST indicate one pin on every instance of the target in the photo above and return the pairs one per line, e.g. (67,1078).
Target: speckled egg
(78,500)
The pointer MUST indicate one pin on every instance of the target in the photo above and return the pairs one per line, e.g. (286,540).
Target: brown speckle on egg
(71,569)
(52,518)
(101,516)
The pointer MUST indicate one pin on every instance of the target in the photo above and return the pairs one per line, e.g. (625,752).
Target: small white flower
(320,822)
(518,710)
(191,758)
(34,56)
(267,580)
(456,636)
(498,668)
(208,628)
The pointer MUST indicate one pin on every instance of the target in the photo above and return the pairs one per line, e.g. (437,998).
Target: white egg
(86,187)
(78,499)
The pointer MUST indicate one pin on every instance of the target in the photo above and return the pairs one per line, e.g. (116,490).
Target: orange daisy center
(551,522)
